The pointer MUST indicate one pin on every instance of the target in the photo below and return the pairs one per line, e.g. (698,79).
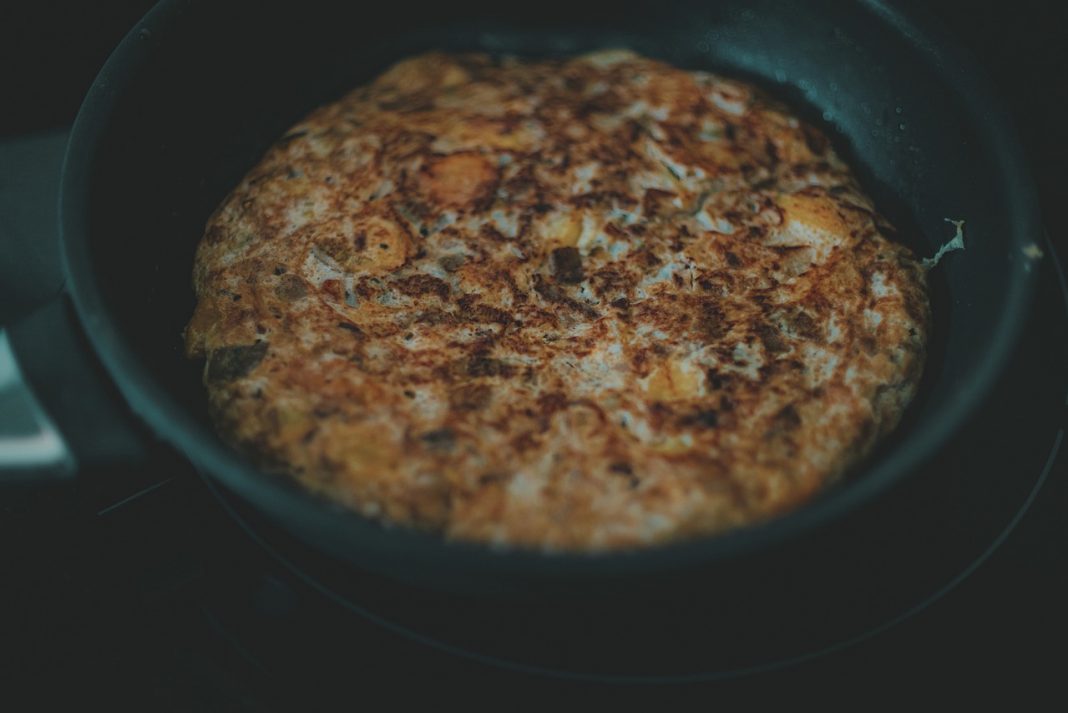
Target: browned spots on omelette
(459,180)
(585,303)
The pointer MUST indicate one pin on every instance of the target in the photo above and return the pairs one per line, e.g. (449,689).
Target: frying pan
(197,91)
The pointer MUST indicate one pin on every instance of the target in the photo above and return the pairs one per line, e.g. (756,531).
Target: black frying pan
(198,90)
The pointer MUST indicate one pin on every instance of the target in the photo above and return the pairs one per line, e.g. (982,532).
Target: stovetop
(162,599)
(142,590)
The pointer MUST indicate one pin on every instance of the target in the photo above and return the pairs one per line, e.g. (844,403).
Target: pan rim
(353,537)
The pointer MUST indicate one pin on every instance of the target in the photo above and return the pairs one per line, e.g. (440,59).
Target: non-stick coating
(195,94)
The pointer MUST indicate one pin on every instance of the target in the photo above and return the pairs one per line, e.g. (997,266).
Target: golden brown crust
(584,304)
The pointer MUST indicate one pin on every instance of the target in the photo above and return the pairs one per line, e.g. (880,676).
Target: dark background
(1002,631)
(51,50)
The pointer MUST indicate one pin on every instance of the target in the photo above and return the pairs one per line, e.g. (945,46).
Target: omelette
(576,304)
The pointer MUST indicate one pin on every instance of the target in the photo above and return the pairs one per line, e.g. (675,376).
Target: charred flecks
(524,186)
(661,414)
(470,397)
(567,265)
(601,198)
(552,293)
(290,137)
(711,322)
(634,130)
(658,203)
(648,259)
(548,404)
(466,301)
(258,177)
(488,232)
(406,103)
(734,216)
(471,311)
(525,441)
(772,339)
(291,288)
(366,288)
(786,421)
(625,470)
(707,418)
(350,327)
(483,365)
(815,140)
(326,411)
(442,439)
(915,306)
(772,151)
(423,284)
(519,296)
(802,324)
(229,363)
(640,362)
(867,431)
(436,316)
(574,84)
(637,229)
(452,263)
(609,280)
(603,103)
(716,381)
(484,314)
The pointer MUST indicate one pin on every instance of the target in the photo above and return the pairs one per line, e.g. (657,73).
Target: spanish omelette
(569,304)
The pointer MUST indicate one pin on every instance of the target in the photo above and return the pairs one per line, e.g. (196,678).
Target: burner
(836,587)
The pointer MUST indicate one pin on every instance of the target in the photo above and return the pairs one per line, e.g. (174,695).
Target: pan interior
(218,82)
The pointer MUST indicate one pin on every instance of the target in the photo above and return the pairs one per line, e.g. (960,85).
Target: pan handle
(31,447)
(59,413)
